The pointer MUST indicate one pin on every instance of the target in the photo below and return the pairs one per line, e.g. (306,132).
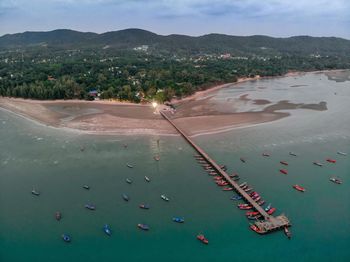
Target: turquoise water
(51,160)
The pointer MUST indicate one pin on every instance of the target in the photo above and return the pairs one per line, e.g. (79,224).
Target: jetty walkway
(270,223)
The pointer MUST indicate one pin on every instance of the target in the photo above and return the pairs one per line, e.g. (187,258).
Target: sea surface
(58,163)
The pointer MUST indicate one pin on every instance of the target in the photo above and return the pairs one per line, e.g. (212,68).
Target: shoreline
(124,118)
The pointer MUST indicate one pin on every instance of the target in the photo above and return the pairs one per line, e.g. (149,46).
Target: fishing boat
(252,194)
(271,211)
(35,192)
(268,207)
(331,160)
(342,153)
(221,183)
(284,171)
(254,217)
(318,164)
(86,187)
(203,239)
(284,163)
(58,216)
(292,154)
(256,229)
(107,230)
(236,198)
(223,167)
(66,238)
(335,180)
(266,154)
(164,197)
(248,189)
(90,207)
(252,213)
(244,187)
(129,166)
(144,206)
(125,197)
(256,199)
(243,159)
(243,184)
(287,232)
(244,206)
(128,180)
(261,202)
(147,179)
(178,219)
(236,178)
(143,226)
(227,189)
(299,188)
(234,175)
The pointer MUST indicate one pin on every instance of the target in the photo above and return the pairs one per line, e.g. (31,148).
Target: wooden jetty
(270,223)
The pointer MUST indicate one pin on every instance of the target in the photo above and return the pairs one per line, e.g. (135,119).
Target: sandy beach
(196,114)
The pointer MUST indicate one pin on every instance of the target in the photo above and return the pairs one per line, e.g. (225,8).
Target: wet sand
(197,114)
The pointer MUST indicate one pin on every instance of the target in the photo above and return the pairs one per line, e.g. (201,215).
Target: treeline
(135,76)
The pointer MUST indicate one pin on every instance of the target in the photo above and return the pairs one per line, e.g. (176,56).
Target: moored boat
(261,202)
(164,197)
(107,230)
(243,184)
(236,198)
(66,238)
(252,213)
(203,239)
(254,217)
(227,189)
(299,188)
(287,232)
(268,207)
(284,171)
(178,219)
(284,163)
(335,180)
(58,216)
(234,175)
(125,197)
(256,229)
(244,206)
(90,207)
(271,211)
(143,226)
(248,189)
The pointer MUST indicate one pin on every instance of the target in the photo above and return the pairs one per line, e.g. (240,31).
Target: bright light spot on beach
(154,104)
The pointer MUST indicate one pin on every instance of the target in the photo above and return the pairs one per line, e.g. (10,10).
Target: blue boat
(143,226)
(66,238)
(107,230)
(125,197)
(236,198)
(178,219)
(90,207)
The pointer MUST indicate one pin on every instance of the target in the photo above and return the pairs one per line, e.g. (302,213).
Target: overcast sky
(193,17)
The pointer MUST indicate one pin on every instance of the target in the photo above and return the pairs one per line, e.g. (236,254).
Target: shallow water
(54,163)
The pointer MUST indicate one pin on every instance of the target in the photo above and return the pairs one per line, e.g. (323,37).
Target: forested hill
(179,44)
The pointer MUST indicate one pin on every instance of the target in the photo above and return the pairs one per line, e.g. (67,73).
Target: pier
(269,222)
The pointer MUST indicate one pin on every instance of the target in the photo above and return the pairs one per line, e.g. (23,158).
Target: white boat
(164,197)
(147,179)
(342,153)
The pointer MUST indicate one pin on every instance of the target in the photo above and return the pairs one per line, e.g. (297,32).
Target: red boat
(203,239)
(284,163)
(261,202)
(222,183)
(299,188)
(256,229)
(227,189)
(244,206)
(331,160)
(284,171)
(271,211)
(252,213)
